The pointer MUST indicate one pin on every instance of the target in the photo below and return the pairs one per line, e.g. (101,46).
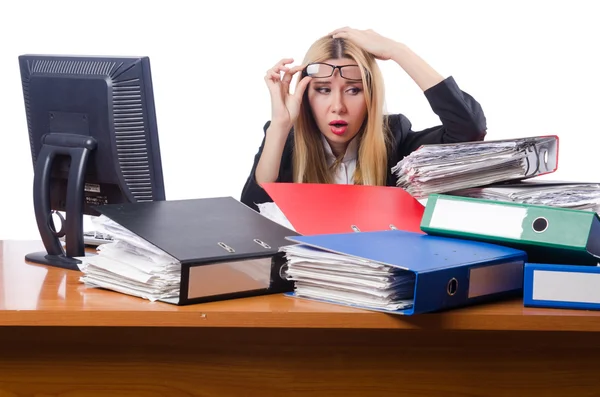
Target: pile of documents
(271,211)
(399,272)
(131,265)
(187,251)
(582,196)
(331,277)
(447,167)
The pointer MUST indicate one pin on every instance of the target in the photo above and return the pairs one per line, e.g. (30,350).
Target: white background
(533,65)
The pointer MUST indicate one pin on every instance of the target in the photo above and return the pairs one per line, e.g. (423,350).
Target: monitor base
(60,261)
(78,148)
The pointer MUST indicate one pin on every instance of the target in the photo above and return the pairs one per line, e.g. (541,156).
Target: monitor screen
(94,140)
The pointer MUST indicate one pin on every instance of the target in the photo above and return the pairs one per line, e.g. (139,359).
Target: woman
(332,128)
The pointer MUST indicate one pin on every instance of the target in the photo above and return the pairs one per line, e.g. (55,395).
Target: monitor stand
(78,148)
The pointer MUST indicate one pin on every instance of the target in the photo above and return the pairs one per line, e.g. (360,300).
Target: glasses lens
(351,72)
(319,70)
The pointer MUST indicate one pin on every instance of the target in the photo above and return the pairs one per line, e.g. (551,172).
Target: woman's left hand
(370,41)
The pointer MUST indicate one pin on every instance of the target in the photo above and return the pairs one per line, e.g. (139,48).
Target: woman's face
(337,101)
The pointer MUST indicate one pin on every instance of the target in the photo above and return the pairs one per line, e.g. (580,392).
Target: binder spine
(541,156)
(206,282)
(561,286)
(515,224)
(465,285)
(440,289)
(279,281)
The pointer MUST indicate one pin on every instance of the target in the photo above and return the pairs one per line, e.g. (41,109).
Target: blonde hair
(310,165)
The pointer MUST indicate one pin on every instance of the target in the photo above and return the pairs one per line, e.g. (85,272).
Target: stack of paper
(447,167)
(271,211)
(331,277)
(131,265)
(583,196)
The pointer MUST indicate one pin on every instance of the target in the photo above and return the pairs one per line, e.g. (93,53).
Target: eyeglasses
(324,70)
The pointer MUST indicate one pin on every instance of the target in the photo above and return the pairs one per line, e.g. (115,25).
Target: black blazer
(462,121)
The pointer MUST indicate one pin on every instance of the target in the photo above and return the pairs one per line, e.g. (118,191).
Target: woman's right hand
(285,106)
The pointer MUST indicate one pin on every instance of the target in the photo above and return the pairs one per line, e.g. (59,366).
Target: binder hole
(452,287)
(539,224)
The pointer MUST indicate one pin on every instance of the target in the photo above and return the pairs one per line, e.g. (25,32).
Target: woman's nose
(337,104)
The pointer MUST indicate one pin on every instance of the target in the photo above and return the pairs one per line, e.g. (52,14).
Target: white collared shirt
(344,173)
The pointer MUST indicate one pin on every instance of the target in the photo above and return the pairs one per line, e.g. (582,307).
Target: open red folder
(316,208)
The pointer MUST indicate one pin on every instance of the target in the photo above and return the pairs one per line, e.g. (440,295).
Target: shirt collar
(351,150)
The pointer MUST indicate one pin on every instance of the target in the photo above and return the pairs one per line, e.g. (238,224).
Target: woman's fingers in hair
(340,30)
(342,34)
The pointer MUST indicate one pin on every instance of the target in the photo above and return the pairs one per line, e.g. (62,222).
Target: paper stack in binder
(401,272)
(335,277)
(563,194)
(188,251)
(447,167)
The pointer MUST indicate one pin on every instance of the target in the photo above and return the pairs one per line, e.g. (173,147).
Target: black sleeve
(461,115)
(252,193)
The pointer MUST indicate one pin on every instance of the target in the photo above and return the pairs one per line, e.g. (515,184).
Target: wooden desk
(60,338)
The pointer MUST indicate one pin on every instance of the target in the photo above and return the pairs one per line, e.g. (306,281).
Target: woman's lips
(338,130)
(338,127)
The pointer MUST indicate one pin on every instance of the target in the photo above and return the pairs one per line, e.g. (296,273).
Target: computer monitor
(94,141)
